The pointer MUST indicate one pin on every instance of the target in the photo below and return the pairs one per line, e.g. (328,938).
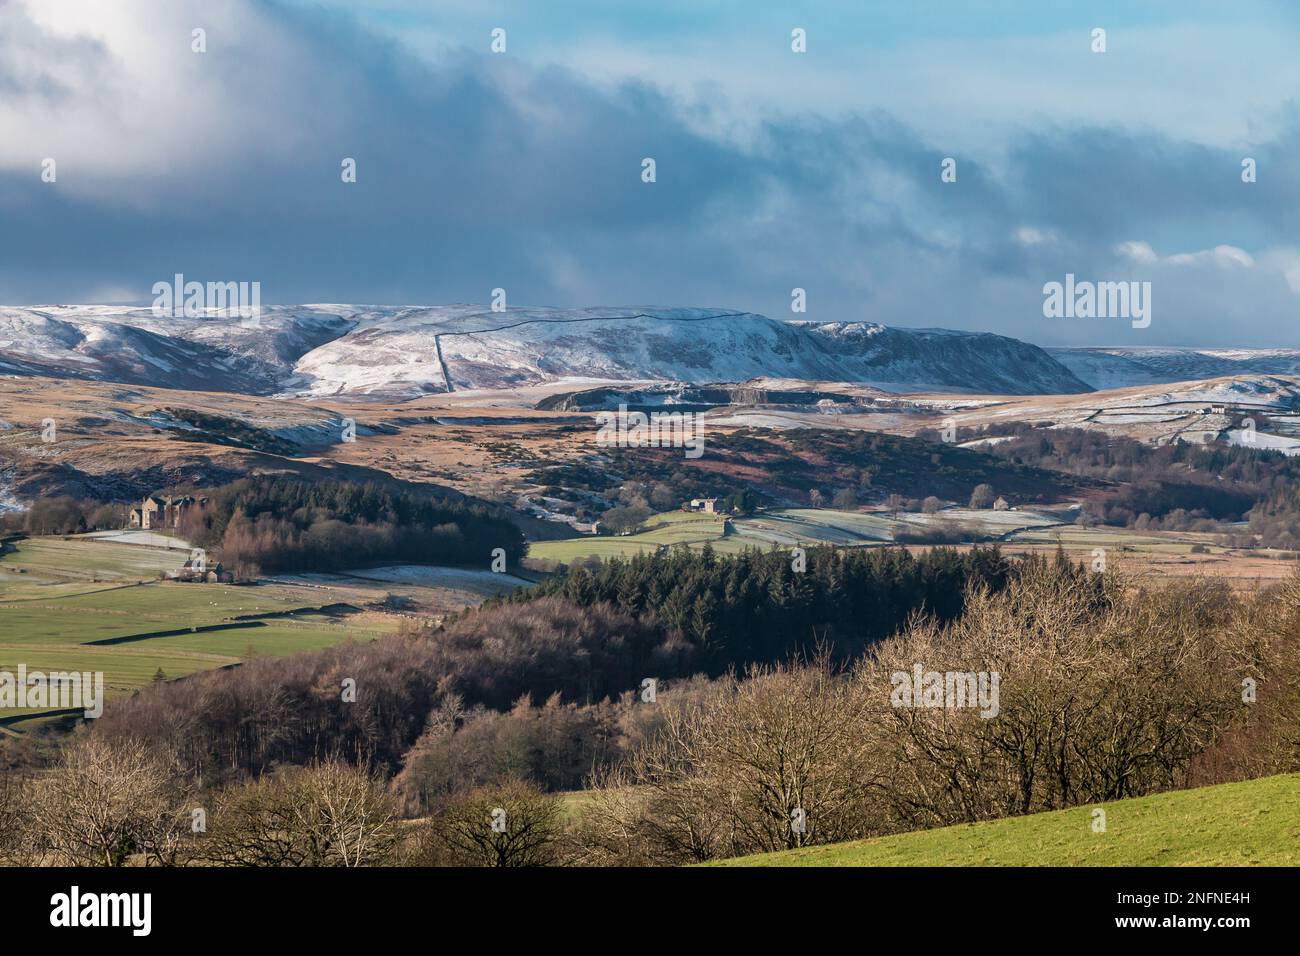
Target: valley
(464,436)
(432,499)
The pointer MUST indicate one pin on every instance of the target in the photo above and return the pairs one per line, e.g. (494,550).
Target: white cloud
(1285,261)
(1137,250)
(115,95)
(478,166)
(1221,255)
(1030,236)
(971,91)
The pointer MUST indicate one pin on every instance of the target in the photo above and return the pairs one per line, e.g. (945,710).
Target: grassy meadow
(58,595)
(1254,823)
(807,527)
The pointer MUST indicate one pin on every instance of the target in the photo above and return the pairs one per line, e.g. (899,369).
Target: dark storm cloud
(480,171)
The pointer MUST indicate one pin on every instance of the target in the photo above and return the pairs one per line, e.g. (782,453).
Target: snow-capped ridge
(404,351)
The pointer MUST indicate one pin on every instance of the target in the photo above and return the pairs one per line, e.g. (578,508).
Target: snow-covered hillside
(396,352)
(941,360)
(121,344)
(1121,367)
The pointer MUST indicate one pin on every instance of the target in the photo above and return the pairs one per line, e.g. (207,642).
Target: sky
(774,169)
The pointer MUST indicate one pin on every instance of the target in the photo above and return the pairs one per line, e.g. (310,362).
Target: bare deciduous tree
(513,824)
(106,803)
(1106,692)
(773,761)
(13,817)
(328,814)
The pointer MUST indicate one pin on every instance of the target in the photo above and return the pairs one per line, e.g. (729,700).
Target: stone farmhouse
(163,512)
(199,571)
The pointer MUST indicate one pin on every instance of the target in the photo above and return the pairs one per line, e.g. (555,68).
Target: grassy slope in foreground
(1254,823)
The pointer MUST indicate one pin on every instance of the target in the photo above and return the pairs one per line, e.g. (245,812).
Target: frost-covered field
(149,538)
(985,442)
(1252,439)
(1123,367)
(92,557)
(989,521)
(484,583)
(816,526)
(789,527)
(435,576)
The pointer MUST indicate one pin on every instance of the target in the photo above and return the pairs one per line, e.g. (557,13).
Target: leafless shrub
(106,804)
(775,760)
(328,814)
(512,824)
(14,823)
(1265,633)
(1102,696)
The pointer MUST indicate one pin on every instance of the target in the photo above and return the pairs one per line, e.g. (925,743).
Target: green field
(1255,823)
(56,595)
(662,530)
(1076,538)
(785,528)
(80,560)
(808,527)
